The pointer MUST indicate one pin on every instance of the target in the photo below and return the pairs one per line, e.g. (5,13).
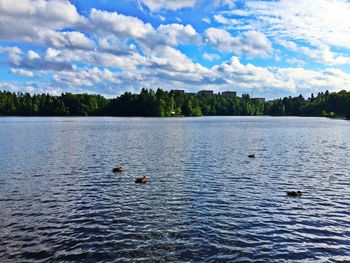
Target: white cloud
(118,26)
(172,60)
(295,61)
(64,40)
(86,77)
(166,67)
(211,57)
(312,80)
(225,21)
(53,55)
(20,62)
(251,43)
(103,22)
(41,22)
(171,69)
(312,28)
(77,40)
(175,34)
(53,13)
(156,5)
(229,3)
(251,77)
(206,20)
(148,56)
(321,21)
(22,72)
(13,54)
(30,87)
(99,58)
(289,80)
(321,53)
(32,54)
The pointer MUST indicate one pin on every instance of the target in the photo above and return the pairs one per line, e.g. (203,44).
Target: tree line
(161,103)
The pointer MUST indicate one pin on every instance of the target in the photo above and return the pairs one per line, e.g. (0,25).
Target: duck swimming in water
(294,193)
(118,169)
(141,180)
(251,155)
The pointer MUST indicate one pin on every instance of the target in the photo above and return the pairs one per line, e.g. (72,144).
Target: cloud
(117,26)
(53,13)
(315,80)
(251,77)
(210,57)
(107,52)
(295,61)
(251,43)
(103,22)
(30,87)
(314,22)
(206,20)
(22,72)
(156,5)
(318,30)
(38,21)
(23,63)
(225,21)
(166,67)
(86,77)
(64,40)
(175,34)
(45,65)
(129,61)
(286,81)
(13,54)
(173,70)
(321,53)
(229,3)
(169,59)
(32,54)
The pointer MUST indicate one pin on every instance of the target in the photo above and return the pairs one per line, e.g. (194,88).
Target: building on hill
(259,99)
(206,92)
(245,96)
(230,94)
(178,91)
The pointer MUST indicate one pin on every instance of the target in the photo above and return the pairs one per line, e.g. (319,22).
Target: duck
(141,180)
(251,155)
(294,193)
(118,169)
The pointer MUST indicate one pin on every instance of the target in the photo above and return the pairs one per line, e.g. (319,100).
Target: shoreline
(171,117)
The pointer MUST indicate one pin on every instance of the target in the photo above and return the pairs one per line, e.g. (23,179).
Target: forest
(161,103)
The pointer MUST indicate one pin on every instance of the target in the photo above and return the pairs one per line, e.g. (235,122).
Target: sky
(268,49)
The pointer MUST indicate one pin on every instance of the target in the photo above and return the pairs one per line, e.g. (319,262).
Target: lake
(205,199)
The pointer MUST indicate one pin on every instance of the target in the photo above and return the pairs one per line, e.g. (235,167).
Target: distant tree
(163,103)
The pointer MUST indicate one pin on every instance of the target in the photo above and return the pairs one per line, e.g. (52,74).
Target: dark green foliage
(46,105)
(278,108)
(327,104)
(174,103)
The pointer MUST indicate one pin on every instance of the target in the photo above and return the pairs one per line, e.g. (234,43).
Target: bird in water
(294,193)
(141,180)
(118,169)
(251,155)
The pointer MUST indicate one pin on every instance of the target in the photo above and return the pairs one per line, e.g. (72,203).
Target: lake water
(205,199)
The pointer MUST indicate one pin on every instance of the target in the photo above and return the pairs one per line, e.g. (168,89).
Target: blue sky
(268,48)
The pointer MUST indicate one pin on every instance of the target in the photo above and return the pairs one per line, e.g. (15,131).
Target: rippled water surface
(205,199)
